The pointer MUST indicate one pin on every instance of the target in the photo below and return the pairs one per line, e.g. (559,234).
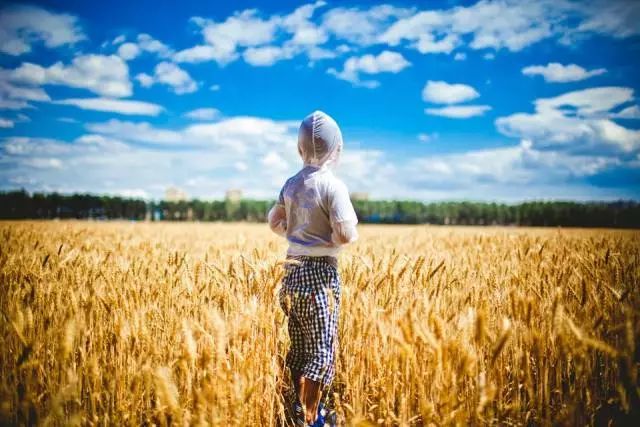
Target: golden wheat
(129,324)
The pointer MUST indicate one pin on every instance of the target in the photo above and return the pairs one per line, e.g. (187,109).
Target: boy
(315,214)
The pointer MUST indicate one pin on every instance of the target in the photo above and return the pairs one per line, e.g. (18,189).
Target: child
(315,214)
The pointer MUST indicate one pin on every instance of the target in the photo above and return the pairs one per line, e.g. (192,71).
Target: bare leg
(310,392)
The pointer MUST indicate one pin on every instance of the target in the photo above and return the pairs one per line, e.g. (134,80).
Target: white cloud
(555,72)
(171,75)
(521,167)
(427,43)
(199,53)
(103,75)
(616,18)
(21,26)
(240,166)
(426,137)
(509,24)
(143,43)
(260,41)
(632,112)
(304,32)
(8,123)
(458,111)
(239,133)
(102,143)
(145,80)
(10,91)
(460,56)
(385,62)
(136,132)
(43,163)
(151,45)
(13,104)
(575,121)
(243,29)
(490,24)
(68,120)
(370,171)
(441,92)
(266,55)
(214,87)
(274,161)
(588,102)
(115,154)
(361,26)
(128,51)
(202,114)
(121,106)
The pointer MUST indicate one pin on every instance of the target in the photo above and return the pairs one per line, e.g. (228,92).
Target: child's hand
(343,233)
(278,220)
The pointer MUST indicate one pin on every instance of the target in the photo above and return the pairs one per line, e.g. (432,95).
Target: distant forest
(22,205)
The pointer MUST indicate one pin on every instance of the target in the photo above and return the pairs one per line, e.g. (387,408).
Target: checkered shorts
(310,296)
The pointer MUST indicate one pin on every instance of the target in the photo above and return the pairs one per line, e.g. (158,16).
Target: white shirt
(315,202)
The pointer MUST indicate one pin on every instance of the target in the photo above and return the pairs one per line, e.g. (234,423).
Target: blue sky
(440,100)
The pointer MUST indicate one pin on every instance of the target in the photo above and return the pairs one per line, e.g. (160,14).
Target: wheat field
(177,323)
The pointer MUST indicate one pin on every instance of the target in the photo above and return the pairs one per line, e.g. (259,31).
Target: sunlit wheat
(130,324)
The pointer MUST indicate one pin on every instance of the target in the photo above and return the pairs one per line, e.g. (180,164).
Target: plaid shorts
(310,296)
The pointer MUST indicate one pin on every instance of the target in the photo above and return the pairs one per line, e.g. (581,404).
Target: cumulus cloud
(384,62)
(202,114)
(22,26)
(120,106)
(266,55)
(147,43)
(304,32)
(440,92)
(243,29)
(115,153)
(128,51)
(169,74)
(15,97)
(509,24)
(361,26)
(236,133)
(520,171)
(427,43)
(258,40)
(558,73)
(106,75)
(576,121)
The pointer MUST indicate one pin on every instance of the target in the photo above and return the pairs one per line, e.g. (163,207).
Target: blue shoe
(326,418)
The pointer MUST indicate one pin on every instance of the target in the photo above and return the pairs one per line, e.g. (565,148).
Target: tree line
(22,205)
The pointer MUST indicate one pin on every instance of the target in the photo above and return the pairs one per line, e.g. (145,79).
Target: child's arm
(344,232)
(277,216)
(342,215)
(278,220)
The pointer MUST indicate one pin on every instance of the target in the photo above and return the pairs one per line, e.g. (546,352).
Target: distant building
(360,196)
(233,195)
(174,194)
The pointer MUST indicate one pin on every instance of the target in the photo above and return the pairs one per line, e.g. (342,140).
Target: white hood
(319,140)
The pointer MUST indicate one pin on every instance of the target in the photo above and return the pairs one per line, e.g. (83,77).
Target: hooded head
(319,140)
